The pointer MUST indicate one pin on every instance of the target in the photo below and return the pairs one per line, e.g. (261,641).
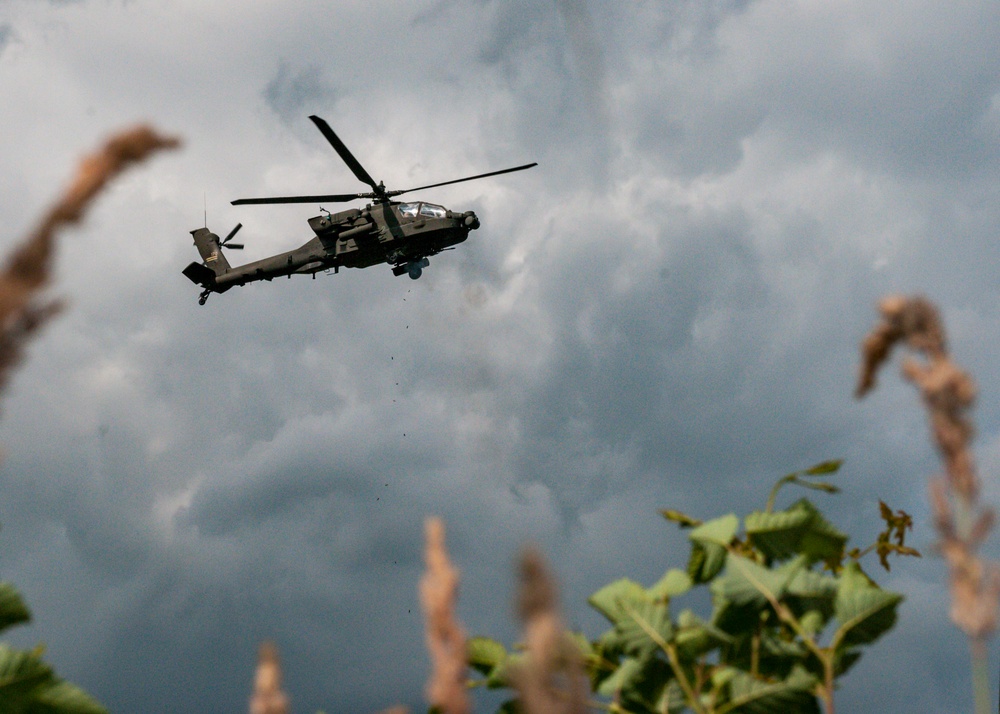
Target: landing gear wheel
(203,298)
(415,272)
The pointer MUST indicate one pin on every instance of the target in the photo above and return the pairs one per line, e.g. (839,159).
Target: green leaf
(629,673)
(789,696)
(822,541)
(705,562)
(694,637)
(637,684)
(813,588)
(865,611)
(500,676)
(484,653)
(723,675)
(824,467)
(681,519)
(844,659)
(607,600)
(645,627)
(13,611)
(777,535)
(772,650)
(719,530)
(601,662)
(28,686)
(672,699)
(708,547)
(800,528)
(744,590)
(775,647)
(817,486)
(748,583)
(813,622)
(64,698)
(21,673)
(673,583)
(629,669)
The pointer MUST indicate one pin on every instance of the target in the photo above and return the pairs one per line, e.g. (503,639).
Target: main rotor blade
(345,153)
(467,178)
(331,198)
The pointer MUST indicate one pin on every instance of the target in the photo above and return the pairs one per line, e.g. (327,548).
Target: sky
(665,312)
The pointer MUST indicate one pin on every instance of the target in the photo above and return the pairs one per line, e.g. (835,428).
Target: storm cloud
(665,312)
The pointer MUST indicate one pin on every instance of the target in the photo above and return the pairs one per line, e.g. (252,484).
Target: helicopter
(403,235)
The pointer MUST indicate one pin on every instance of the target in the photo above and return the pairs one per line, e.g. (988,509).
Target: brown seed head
(267,696)
(445,636)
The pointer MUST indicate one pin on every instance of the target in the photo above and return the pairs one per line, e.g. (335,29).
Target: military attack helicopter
(404,235)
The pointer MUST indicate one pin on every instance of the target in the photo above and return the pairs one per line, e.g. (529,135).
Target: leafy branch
(791,613)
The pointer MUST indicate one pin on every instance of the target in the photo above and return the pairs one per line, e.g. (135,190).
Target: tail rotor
(224,243)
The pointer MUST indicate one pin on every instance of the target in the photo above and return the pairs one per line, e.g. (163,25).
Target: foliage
(27,684)
(792,610)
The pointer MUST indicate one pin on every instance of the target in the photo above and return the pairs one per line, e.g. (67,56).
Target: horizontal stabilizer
(200,275)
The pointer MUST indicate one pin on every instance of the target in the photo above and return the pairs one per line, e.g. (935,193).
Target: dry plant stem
(267,696)
(962,524)
(690,692)
(552,682)
(445,636)
(28,270)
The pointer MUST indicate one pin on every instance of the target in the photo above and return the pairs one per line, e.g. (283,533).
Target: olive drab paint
(402,235)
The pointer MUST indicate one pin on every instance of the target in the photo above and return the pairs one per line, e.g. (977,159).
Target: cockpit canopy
(427,210)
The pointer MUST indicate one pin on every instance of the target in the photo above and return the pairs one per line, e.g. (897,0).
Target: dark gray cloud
(294,94)
(887,101)
(591,78)
(665,312)
(515,30)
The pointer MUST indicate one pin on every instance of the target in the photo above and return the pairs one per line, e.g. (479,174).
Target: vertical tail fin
(211,250)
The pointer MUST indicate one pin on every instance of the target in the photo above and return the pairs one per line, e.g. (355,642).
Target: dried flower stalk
(267,696)
(445,636)
(552,681)
(962,524)
(28,269)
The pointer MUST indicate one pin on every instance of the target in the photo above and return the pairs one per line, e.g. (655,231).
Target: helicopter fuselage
(402,235)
